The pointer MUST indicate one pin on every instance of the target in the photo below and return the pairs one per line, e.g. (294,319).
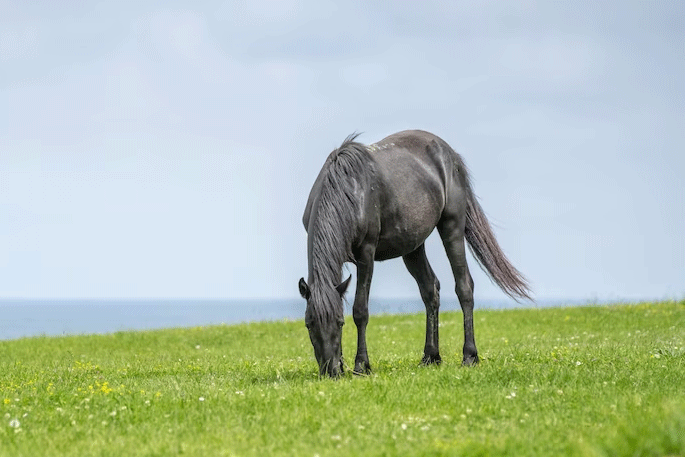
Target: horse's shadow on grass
(304,372)
(296,376)
(309,372)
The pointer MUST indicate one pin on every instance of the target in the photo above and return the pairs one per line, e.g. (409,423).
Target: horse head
(325,326)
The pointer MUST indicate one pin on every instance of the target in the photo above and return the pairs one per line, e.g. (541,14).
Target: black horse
(382,201)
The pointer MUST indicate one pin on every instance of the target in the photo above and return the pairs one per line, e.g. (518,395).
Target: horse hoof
(362,369)
(431,359)
(470,360)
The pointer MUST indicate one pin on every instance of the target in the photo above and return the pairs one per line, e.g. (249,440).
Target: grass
(598,381)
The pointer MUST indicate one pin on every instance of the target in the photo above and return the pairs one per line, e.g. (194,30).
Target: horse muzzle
(332,368)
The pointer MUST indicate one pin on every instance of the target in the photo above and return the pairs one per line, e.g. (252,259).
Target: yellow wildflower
(104,388)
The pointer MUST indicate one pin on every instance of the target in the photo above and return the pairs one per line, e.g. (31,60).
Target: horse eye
(308,322)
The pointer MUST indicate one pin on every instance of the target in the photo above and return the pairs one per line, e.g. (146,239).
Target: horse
(381,201)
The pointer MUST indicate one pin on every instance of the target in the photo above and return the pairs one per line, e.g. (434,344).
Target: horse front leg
(360,309)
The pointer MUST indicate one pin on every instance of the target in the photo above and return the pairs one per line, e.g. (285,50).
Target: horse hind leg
(429,287)
(453,240)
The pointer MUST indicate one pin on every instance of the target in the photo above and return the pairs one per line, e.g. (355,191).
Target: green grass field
(606,380)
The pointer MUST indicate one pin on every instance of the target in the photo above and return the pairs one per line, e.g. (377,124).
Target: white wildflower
(14,423)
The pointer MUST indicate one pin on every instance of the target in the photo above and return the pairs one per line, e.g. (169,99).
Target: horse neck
(329,248)
(325,273)
(333,219)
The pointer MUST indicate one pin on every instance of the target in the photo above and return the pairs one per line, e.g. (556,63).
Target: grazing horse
(379,202)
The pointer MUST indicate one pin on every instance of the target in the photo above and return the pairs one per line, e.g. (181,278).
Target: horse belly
(412,198)
(407,224)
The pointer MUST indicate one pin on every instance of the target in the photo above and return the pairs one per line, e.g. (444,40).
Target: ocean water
(27,318)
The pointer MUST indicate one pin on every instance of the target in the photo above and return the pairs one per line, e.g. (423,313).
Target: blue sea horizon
(37,317)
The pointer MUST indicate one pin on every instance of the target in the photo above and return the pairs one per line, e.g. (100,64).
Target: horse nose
(336,369)
(331,368)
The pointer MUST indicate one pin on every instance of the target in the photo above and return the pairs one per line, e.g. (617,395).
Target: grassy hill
(605,380)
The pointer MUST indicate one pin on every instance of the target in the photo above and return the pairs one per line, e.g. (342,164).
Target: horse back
(416,178)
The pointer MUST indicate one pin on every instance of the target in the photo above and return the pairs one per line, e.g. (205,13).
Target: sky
(167,149)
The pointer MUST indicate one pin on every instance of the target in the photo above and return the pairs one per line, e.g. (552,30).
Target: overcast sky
(162,149)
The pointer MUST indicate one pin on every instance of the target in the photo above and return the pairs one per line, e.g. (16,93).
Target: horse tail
(486,250)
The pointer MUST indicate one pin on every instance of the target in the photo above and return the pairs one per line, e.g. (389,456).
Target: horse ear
(342,287)
(304,289)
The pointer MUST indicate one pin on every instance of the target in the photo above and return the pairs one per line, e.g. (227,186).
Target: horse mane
(335,224)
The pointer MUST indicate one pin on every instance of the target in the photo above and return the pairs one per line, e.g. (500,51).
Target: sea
(30,318)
